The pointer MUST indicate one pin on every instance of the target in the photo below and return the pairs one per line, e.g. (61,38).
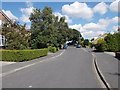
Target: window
(2,40)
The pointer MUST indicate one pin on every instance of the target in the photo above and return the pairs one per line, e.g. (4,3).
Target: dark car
(65,47)
(78,46)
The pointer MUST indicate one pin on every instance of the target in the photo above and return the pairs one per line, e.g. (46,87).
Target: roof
(5,15)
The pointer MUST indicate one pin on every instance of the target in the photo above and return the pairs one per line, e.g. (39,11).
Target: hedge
(110,43)
(52,49)
(22,55)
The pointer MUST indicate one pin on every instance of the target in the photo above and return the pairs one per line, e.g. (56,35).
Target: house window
(2,40)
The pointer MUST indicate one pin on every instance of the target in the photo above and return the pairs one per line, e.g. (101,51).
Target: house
(3,18)
(100,37)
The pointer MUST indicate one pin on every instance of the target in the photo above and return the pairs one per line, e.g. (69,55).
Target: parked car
(65,47)
(75,44)
(78,46)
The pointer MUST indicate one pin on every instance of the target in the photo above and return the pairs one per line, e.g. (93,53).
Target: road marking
(30,86)
(15,70)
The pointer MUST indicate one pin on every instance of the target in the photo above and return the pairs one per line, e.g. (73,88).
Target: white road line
(30,86)
(15,70)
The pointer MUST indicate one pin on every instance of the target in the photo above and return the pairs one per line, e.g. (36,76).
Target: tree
(16,35)
(92,39)
(86,42)
(75,36)
(41,27)
(112,42)
(101,45)
(47,29)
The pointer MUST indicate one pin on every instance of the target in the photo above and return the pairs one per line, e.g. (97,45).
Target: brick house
(3,18)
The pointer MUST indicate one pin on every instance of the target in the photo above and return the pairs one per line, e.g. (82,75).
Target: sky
(90,18)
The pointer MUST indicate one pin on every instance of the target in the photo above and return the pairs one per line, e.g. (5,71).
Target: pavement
(71,69)
(110,53)
(108,66)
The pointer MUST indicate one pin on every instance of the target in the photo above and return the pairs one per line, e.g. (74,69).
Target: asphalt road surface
(73,69)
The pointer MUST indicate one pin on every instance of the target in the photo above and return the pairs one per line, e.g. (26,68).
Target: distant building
(3,19)
(100,37)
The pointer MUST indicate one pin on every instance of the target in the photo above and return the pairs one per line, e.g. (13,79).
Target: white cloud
(10,15)
(91,34)
(78,10)
(115,20)
(27,11)
(77,27)
(114,6)
(94,26)
(26,14)
(114,29)
(25,18)
(91,30)
(29,4)
(67,19)
(100,8)
(101,25)
(27,26)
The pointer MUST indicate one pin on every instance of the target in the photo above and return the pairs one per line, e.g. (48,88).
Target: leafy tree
(16,36)
(101,45)
(112,42)
(47,29)
(86,42)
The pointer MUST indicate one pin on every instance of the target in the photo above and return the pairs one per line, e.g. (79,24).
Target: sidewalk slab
(110,53)
(108,66)
(3,63)
(9,67)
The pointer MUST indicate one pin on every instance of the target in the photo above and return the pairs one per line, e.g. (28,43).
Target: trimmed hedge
(52,49)
(22,55)
(110,43)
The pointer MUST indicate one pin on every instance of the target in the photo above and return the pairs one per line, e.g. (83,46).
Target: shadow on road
(118,74)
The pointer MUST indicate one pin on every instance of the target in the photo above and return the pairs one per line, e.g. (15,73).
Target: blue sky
(90,18)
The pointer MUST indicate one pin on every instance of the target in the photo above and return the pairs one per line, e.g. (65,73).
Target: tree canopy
(16,36)
(50,30)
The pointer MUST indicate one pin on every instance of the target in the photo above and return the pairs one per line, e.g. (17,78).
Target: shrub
(52,49)
(22,55)
(101,45)
(113,42)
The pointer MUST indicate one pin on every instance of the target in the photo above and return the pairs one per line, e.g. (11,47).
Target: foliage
(101,45)
(22,55)
(49,30)
(16,36)
(75,36)
(52,49)
(113,42)
(86,42)
(110,43)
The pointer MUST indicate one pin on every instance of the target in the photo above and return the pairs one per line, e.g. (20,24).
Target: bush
(101,45)
(22,55)
(52,49)
(113,42)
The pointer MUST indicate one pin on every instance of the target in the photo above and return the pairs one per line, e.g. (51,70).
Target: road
(73,69)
